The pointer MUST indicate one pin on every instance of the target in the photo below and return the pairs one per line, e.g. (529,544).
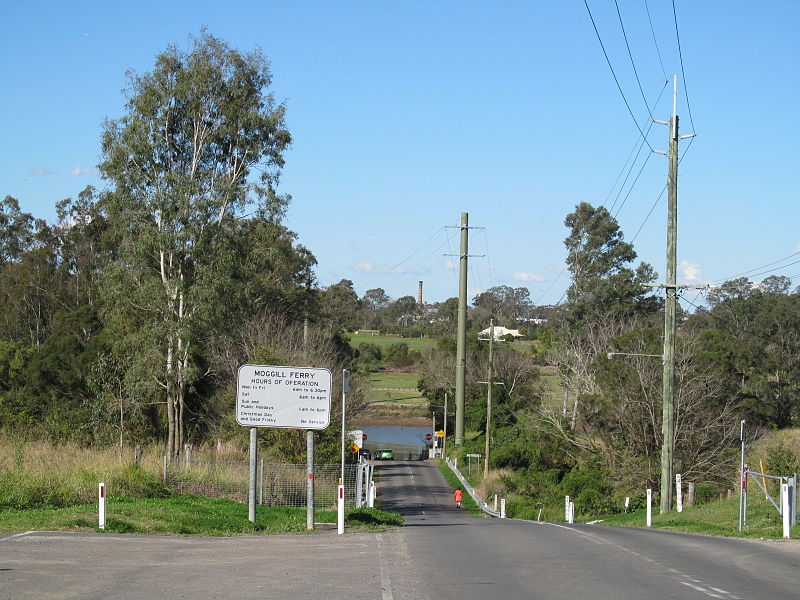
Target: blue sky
(405,114)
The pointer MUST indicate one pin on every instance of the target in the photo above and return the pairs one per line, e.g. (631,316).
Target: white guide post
(627,502)
(495,502)
(340,510)
(649,507)
(566,508)
(785,512)
(678,492)
(502,508)
(571,518)
(371,502)
(101,493)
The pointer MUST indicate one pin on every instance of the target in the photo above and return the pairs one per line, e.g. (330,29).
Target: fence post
(359,481)
(690,494)
(187,450)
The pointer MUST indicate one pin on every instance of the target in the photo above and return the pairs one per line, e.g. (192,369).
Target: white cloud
(368,267)
(40,172)
(450,265)
(527,276)
(78,170)
(364,266)
(690,271)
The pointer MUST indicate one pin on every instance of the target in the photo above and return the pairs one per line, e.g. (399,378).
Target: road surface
(441,553)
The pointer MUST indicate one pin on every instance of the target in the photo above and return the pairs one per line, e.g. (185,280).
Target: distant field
(392,380)
(393,387)
(422,344)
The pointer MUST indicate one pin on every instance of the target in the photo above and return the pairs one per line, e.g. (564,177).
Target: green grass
(424,345)
(714,518)
(184,514)
(392,380)
(405,391)
(467,502)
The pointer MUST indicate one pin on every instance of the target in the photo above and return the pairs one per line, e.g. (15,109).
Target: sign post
(340,505)
(283,397)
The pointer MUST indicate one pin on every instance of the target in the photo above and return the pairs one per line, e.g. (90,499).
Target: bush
(781,461)
(372,516)
(590,487)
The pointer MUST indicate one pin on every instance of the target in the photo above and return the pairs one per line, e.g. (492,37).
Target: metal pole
(261,482)
(251,510)
(741,478)
(461,340)
(310,483)
(444,439)
(345,389)
(489,400)
(668,404)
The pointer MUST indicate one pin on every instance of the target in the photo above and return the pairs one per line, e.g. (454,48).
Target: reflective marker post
(340,510)
(102,506)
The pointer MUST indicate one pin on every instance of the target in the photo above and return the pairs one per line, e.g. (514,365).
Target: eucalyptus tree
(200,143)
(603,282)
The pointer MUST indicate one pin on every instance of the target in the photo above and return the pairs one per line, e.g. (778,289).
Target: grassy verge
(184,514)
(715,518)
(467,502)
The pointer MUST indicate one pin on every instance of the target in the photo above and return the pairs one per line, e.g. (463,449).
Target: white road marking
(696,584)
(386,581)
(16,535)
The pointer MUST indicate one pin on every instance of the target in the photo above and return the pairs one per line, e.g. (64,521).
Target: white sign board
(289,397)
(359,437)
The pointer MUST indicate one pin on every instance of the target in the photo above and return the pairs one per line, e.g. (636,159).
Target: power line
(661,62)
(632,164)
(775,262)
(630,54)
(683,73)
(619,87)
(742,330)
(664,189)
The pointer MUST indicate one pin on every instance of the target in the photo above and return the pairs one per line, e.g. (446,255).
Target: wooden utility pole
(489,400)
(670,309)
(668,383)
(461,340)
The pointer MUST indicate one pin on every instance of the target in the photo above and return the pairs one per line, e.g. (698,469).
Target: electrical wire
(775,262)
(742,330)
(640,145)
(683,72)
(633,64)
(616,80)
(658,52)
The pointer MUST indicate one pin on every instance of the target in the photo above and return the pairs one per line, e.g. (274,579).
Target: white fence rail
(478,500)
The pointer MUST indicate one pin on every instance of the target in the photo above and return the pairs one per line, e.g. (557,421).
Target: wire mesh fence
(276,484)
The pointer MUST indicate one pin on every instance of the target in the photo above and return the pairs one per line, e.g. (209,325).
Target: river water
(404,441)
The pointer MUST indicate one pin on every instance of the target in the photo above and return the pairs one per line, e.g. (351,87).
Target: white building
(499,332)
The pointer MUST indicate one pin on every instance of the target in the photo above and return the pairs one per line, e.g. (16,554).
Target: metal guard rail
(478,500)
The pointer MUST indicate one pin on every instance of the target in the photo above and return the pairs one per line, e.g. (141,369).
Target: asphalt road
(441,553)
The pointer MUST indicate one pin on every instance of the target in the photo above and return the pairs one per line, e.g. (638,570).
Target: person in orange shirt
(457,498)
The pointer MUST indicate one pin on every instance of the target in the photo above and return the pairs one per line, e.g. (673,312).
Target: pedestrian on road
(457,498)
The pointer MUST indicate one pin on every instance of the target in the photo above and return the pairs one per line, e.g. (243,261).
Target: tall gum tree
(201,140)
